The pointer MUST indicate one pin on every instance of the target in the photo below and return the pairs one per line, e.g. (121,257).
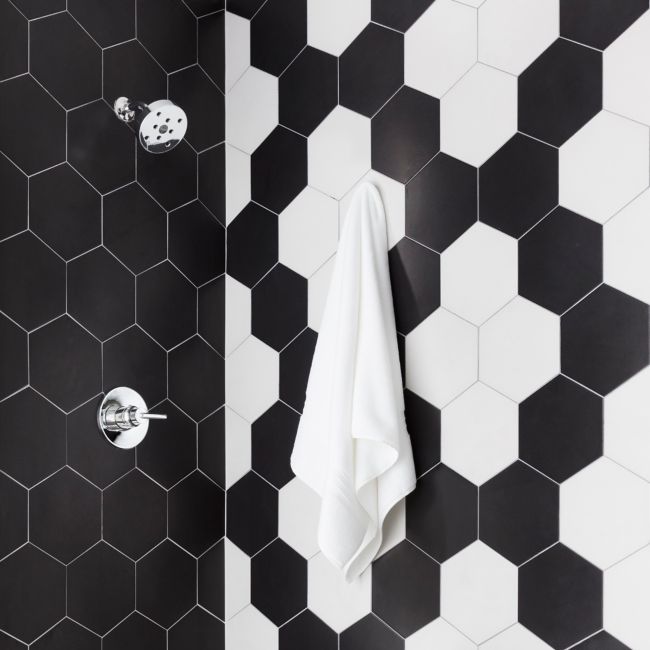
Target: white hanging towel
(352,446)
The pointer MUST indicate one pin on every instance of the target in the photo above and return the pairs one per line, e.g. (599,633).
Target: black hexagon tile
(415,281)
(89,453)
(196,243)
(560,91)
(295,363)
(423,424)
(518,185)
(307,628)
(212,312)
(204,104)
(38,8)
(31,294)
(32,440)
(130,71)
(211,576)
(272,438)
(13,350)
(252,243)
(212,447)
(368,634)
(601,641)
(134,633)
(203,7)
(405,134)
(245,8)
(101,293)
(101,609)
(65,60)
(68,634)
(279,169)
(399,17)
(134,514)
(212,181)
(14,200)
(100,148)
(278,34)
(560,597)
(308,90)
(212,46)
(367,81)
(406,588)
(14,515)
(560,260)
(36,139)
(13,31)
(253,508)
(65,211)
(441,514)
(279,307)
(441,202)
(171,454)
(170,179)
(598,24)
(519,512)
(605,339)
(33,585)
(132,358)
(196,513)
(196,378)
(166,584)
(167,28)
(107,25)
(65,363)
(65,515)
(135,228)
(279,582)
(199,630)
(166,305)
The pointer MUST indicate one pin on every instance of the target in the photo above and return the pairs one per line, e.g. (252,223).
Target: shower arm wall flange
(126,110)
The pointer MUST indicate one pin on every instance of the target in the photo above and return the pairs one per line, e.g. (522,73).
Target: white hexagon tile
(440,47)
(339,152)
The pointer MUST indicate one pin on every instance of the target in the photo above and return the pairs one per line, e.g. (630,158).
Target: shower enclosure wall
(111,274)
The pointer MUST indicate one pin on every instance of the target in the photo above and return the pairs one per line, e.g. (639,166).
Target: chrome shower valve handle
(123,417)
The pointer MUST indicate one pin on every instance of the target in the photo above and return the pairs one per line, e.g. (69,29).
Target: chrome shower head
(161,125)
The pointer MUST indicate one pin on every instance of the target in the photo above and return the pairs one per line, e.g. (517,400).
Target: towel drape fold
(352,446)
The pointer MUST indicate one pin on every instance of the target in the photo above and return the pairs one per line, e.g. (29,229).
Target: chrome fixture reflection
(161,125)
(123,417)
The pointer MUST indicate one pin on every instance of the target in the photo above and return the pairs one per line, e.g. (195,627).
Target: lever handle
(153,416)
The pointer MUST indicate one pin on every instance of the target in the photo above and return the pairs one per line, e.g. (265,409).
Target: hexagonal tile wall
(82,231)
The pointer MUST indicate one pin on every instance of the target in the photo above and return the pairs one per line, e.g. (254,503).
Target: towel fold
(352,446)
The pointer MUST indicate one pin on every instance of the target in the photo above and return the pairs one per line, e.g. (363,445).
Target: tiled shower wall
(510,142)
(111,273)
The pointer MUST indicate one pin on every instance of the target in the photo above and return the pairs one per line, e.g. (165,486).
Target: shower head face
(161,126)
